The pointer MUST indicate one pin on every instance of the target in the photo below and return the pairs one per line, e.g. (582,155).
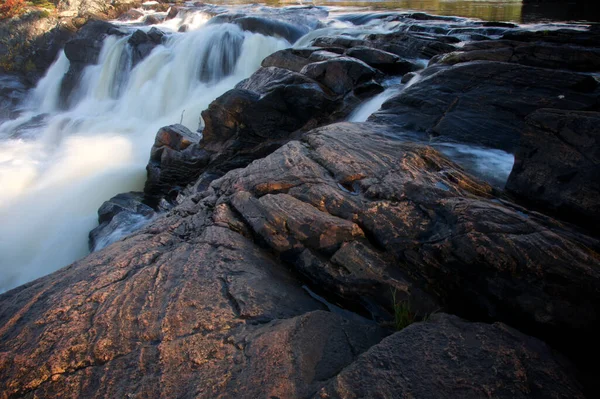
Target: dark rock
(382,60)
(447,357)
(485,103)
(322,55)
(340,74)
(562,36)
(176,160)
(407,77)
(151,20)
(159,316)
(291,58)
(172,13)
(537,55)
(557,164)
(291,358)
(82,51)
(338,41)
(270,27)
(411,45)
(261,114)
(119,216)
(143,43)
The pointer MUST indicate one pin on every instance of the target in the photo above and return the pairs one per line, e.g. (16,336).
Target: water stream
(58,166)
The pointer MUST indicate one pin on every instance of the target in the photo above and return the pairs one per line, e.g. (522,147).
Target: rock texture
(558,163)
(175,162)
(439,358)
(192,305)
(485,103)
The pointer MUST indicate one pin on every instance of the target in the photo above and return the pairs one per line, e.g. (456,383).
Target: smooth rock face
(439,358)
(537,55)
(557,164)
(485,103)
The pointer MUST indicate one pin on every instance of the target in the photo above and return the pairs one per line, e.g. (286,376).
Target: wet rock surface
(82,51)
(484,102)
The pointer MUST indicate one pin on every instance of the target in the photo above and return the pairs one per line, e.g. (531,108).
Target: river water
(57,166)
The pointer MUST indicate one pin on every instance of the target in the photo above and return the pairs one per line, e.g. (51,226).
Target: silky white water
(56,172)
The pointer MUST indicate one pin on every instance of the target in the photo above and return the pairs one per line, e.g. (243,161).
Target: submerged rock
(118,217)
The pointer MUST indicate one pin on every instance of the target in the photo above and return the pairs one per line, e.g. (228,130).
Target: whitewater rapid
(58,166)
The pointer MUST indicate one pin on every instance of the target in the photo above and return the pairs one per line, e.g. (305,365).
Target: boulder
(157,316)
(447,357)
(340,74)
(485,103)
(382,60)
(557,165)
(411,45)
(131,15)
(143,43)
(262,113)
(291,59)
(82,51)
(118,217)
(271,27)
(175,161)
(151,20)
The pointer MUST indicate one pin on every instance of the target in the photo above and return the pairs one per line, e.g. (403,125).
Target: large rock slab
(543,55)
(195,301)
(557,165)
(428,231)
(187,306)
(447,357)
(485,103)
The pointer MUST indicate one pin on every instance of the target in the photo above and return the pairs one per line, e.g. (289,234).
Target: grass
(403,316)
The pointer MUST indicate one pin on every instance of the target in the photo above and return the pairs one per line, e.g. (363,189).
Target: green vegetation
(403,316)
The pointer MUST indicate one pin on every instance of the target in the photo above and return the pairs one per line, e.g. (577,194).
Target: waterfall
(55,176)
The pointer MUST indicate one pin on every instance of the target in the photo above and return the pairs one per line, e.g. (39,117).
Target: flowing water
(56,173)
(57,166)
